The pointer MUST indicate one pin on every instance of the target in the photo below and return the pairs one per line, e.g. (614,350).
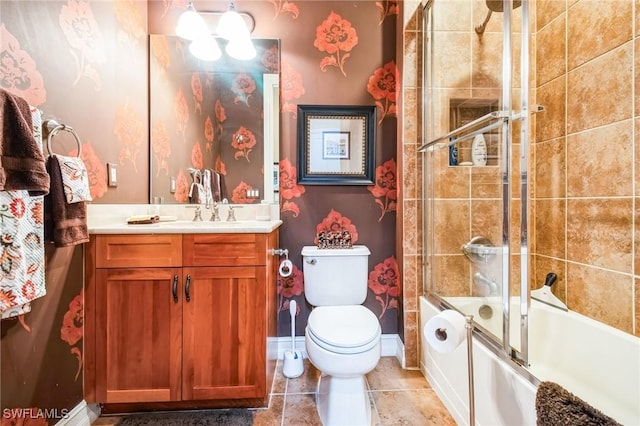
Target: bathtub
(597,363)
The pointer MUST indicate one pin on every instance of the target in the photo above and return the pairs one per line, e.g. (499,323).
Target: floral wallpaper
(86,64)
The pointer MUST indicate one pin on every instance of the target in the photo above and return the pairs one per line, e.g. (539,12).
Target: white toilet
(342,337)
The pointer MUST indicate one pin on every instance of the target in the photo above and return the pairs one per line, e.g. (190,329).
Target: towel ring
(53,127)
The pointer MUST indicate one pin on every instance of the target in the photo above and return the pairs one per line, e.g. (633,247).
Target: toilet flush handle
(311,261)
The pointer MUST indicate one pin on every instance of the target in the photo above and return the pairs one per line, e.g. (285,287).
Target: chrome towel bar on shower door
(500,116)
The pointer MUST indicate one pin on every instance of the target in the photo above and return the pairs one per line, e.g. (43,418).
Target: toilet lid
(351,326)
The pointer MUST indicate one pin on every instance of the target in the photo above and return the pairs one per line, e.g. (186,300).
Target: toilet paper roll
(445,331)
(286,268)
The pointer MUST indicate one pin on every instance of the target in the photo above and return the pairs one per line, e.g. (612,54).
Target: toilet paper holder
(280,252)
(286,266)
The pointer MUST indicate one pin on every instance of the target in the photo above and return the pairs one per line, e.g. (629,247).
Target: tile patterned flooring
(398,397)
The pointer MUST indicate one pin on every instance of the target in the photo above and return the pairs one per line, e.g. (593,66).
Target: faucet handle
(231,217)
(197,217)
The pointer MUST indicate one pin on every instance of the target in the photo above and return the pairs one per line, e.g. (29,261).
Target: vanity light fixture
(232,26)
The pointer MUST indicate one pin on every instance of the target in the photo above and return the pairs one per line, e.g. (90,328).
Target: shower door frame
(502,348)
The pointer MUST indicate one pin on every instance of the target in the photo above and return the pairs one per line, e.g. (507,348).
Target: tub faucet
(482,280)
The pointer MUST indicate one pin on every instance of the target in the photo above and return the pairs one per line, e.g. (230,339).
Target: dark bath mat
(557,406)
(230,417)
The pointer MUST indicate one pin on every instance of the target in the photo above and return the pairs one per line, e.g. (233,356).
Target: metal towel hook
(53,128)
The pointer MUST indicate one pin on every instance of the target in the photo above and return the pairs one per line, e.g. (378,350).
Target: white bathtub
(596,362)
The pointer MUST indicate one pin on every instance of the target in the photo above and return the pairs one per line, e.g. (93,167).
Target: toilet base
(343,401)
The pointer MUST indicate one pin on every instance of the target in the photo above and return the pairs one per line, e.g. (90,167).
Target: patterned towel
(74,179)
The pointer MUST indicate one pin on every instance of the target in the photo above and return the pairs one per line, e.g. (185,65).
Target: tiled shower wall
(587,162)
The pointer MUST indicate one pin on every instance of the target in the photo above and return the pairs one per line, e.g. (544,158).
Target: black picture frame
(336,144)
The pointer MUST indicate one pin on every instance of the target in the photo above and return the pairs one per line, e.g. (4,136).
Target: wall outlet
(112,175)
(172,185)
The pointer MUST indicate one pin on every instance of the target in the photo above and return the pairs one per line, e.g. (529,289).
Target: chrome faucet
(482,280)
(215,213)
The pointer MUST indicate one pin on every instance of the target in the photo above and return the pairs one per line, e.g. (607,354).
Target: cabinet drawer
(224,249)
(121,251)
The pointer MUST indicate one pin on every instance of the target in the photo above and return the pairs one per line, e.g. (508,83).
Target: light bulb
(205,48)
(231,25)
(241,49)
(190,24)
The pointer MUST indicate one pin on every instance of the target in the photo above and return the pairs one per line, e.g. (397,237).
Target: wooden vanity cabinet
(181,320)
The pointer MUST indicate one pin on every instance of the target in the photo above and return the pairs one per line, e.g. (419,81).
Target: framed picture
(336,145)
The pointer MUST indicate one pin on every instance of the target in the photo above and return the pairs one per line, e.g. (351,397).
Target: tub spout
(481,280)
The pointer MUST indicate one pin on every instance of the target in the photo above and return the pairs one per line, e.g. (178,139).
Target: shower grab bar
(499,115)
(471,135)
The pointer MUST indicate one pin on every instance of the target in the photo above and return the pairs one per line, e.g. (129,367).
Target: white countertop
(112,219)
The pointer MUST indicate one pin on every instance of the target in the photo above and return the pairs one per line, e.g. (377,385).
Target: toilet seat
(346,329)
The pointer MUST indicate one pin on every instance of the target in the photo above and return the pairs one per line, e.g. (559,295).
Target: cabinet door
(138,341)
(224,331)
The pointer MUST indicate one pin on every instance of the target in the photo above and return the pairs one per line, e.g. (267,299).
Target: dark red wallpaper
(86,65)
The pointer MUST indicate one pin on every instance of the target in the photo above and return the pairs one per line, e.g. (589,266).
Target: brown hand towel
(218,187)
(22,164)
(556,406)
(64,224)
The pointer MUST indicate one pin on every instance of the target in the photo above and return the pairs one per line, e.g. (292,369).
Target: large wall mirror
(221,117)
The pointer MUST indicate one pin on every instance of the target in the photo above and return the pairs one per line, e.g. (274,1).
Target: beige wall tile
(598,232)
(601,161)
(411,339)
(486,220)
(550,51)
(451,276)
(486,68)
(411,217)
(605,296)
(596,27)
(450,181)
(410,289)
(550,232)
(636,72)
(636,237)
(548,10)
(636,149)
(452,59)
(486,182)
(551,123)
(453,15)
(410,59)
(452,224)
(599,92)
(636,293)
(550,169)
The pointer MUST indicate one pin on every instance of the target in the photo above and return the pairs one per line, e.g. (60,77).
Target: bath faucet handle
(231,217)
(197,216)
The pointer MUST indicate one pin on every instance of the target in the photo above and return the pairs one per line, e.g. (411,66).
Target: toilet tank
(335,276)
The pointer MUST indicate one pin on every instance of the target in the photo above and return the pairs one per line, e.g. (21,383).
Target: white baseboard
(82,414)
(391,346)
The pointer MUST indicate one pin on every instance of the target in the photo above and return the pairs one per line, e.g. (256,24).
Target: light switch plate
(112,175)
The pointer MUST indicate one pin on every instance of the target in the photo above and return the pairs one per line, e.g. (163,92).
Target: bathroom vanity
(180,317)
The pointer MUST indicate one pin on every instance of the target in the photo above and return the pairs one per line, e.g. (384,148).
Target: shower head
(494,6)
(498,5)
